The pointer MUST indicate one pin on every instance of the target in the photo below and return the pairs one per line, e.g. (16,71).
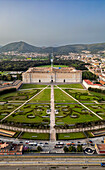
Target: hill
(20,47)
(24,47)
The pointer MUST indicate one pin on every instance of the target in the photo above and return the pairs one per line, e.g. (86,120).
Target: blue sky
(52,22)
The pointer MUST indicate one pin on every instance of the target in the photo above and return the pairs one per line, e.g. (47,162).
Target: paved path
(52,117)
(81,103)
(23,104)
(48,131)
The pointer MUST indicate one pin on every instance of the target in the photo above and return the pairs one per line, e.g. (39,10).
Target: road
(77,162)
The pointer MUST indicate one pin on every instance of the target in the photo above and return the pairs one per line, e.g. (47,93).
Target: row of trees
(89,75)
(21,65)
(96,90)
(9,77)
(7,91)
(72,148)
(24,65)
(26,125)
(79,65)
(80,125)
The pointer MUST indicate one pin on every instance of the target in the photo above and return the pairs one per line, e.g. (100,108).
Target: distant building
(11,149)
(16,84)
(52,74)
(100,148)
(88,83)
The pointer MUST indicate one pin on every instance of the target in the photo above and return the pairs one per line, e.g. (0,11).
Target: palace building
(52,75)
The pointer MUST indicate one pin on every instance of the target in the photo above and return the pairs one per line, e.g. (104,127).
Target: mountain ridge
(24,47)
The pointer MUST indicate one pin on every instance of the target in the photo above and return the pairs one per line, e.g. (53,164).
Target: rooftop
(51,69)
(101,147)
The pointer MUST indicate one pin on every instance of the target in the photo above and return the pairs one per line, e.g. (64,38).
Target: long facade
(51,74)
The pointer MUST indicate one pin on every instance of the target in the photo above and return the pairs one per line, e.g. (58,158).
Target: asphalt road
(50,163)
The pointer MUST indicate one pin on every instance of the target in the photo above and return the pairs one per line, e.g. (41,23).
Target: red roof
(88,82)
(102,82)
(97,84)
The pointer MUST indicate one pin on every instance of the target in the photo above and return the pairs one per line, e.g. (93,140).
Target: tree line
(24,65)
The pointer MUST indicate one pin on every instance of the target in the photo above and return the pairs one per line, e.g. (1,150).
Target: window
(39,81)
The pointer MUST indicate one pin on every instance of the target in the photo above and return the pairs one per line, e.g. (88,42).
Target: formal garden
(73,113)
(35,114)
(31,113)
(18,96)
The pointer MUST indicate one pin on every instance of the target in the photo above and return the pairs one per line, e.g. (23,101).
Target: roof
(101,147)
(11,147)
(102,82)
(97,84)
(52,69)
(88,82)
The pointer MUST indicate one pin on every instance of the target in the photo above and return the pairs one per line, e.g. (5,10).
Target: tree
(79,148)
(9,77)
(39,148)
(65,149)
(72,149)
(19,76)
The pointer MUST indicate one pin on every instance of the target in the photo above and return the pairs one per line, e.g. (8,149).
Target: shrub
(79,148)
(39,148)
(65,149)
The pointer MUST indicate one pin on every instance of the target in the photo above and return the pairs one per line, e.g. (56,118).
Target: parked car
(90,141)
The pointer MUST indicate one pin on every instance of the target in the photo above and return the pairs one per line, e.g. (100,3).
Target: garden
(73,113)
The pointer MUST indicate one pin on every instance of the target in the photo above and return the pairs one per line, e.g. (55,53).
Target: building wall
(72,77)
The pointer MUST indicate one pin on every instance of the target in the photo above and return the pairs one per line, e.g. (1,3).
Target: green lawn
(7,109)
(68,136)
(18,95)
(43,97)
(35,136)
(23,114)
(27,86)
(79,86)
(61,97)
(53,66)
(73,113)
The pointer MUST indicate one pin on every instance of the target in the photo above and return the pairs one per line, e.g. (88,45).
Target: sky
(52,22)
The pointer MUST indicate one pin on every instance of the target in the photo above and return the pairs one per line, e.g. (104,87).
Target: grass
(61,97)
(73,109)
(44,96)
(35,136)
(98,95)
(18,95)
(27,86)
(97,108)
(30,109)
(89,134)
(6,109)
(83,96)
(69,136)
(53,66)
(79,86)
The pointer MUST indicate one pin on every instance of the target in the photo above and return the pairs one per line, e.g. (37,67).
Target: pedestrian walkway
(52,117)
